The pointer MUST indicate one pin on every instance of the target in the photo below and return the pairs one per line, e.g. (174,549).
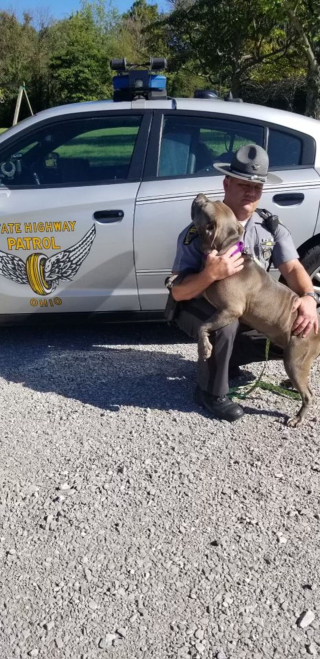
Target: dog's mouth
(207,250)
(206,242)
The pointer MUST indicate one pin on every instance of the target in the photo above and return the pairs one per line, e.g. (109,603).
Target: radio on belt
(132,82)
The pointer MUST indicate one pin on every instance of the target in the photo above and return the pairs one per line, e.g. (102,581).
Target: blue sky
(62,8)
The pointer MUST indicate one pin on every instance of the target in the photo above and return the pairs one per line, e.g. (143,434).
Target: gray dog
(253,297)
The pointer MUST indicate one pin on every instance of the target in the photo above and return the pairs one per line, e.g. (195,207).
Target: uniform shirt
(264,246)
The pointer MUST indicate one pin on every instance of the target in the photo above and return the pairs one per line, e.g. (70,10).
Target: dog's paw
(207,350)
(204,349)
(205,354)
(294,422)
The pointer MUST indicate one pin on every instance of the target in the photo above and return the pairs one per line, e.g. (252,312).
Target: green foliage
(79,67)
(143,12)
(305,20)
(226,39)
(17,45)
(140,35)
(102,15)
(182,83)
(261,49)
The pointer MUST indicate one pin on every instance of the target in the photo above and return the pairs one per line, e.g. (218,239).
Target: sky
(62,8)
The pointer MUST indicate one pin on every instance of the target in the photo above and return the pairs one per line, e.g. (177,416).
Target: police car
(93,195)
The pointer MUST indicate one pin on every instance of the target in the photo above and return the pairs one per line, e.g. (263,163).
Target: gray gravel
(134,526)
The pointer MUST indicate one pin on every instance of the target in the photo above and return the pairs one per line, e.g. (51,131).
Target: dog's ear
(201,199)
(197,206)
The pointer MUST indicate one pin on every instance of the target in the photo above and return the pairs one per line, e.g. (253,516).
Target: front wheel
(311,262)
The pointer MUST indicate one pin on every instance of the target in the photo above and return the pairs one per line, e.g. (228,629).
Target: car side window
(190,145)
(284,149)
(83,151)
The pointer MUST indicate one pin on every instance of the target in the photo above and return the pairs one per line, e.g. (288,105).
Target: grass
(113,146)
(107,146)
(219,143)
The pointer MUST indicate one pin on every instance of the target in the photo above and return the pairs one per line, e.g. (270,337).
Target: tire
(311,262)
(35,273)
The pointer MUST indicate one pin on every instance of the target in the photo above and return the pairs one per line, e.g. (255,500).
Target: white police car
(94,195)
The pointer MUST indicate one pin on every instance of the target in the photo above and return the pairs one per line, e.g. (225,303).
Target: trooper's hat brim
(225,168)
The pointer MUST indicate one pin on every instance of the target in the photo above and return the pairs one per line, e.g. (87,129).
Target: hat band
(251,177)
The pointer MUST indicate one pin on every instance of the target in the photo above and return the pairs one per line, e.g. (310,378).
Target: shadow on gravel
(272,413)
(88,364)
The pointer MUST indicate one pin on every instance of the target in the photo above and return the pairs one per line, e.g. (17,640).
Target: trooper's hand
(307,318)
(220,267)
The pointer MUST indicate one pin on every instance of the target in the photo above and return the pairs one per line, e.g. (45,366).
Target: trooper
(269,242)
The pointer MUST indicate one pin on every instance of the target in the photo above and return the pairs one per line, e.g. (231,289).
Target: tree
(140,33)
(17,43)
(46,42)
(102,14)
(264,50)
(79,68)
(143,34)
(225,40)
(305,18)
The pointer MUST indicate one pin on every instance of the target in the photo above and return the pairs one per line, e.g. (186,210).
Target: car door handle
(107,217)
(289,199)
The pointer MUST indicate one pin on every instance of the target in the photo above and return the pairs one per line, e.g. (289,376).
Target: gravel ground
(133,525)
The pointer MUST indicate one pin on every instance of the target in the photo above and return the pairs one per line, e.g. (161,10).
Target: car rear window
(190,145)
(284,149)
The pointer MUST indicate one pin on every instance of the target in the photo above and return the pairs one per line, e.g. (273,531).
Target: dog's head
(216,224)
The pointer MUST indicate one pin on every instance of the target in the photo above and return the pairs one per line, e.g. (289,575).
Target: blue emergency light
(132,83)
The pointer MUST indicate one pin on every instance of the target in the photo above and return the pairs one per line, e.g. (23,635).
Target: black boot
(220,406)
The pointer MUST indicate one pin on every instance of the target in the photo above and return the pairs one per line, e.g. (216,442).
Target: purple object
(239,248)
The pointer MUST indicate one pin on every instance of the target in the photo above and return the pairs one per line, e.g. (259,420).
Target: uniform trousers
(233,345)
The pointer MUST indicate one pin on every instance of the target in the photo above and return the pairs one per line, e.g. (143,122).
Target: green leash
(243,392)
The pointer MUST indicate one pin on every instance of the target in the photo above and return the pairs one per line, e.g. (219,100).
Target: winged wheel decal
(44,274)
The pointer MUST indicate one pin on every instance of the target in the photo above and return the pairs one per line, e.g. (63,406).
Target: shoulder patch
(190,235)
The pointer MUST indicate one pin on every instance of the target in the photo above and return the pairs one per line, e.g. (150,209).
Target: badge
(267,248)
(191,234)
(266,253)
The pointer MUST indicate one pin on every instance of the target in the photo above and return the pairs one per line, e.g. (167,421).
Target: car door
(296,201)
(180,159)
(67,198)
(179,166)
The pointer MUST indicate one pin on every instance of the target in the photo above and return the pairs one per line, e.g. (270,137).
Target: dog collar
(239,248)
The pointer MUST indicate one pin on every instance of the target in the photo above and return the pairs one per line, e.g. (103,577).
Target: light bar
(133,82)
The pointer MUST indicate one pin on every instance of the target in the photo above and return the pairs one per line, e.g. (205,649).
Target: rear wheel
(311,262)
